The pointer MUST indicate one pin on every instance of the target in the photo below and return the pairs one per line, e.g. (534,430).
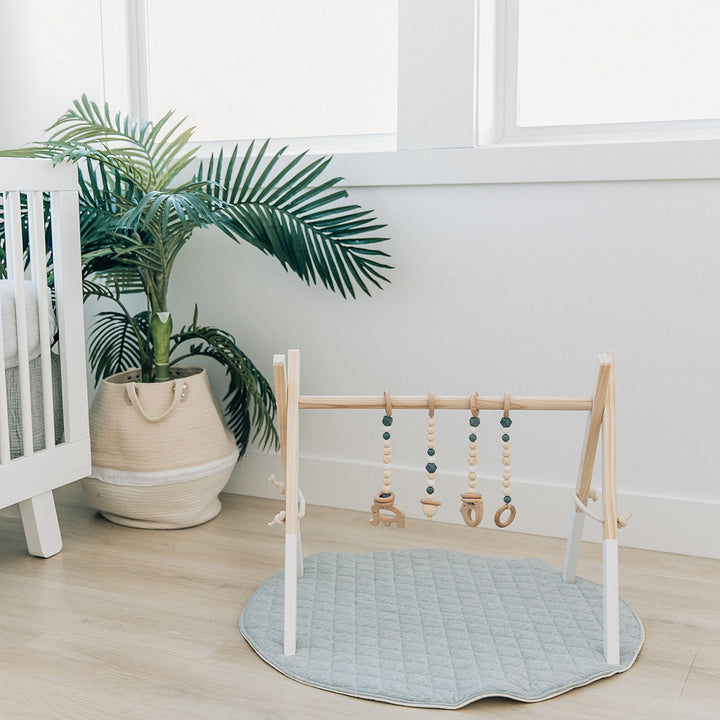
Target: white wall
(50,54)
(517,287)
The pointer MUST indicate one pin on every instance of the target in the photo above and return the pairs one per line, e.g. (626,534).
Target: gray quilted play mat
(438,629)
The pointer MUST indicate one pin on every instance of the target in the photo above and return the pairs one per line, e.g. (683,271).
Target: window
(274,68)
(592,63)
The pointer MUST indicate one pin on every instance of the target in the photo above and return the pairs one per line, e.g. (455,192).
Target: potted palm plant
(155,427)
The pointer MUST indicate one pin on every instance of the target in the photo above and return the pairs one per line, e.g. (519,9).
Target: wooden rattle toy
(429,503)
(385,500)
(472,502)
(506,422)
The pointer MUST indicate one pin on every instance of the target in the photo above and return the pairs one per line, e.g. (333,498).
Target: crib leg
(40,523)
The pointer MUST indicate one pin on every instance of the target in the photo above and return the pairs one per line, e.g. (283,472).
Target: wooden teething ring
(498,515)
(472,508)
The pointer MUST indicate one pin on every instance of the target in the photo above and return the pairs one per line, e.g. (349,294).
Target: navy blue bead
(472,437)
(430,489)
(431,467)
(474,421)
(505,437)
(386,436)
(507,499)
(431,451)
(384,495)
(505,421)
(387,421)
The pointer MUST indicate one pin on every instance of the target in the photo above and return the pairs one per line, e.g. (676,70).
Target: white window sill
(506,163)
(374,162)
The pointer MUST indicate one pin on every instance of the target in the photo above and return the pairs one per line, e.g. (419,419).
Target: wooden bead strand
(385,499)
(429,503)
(506,422)
(472,502)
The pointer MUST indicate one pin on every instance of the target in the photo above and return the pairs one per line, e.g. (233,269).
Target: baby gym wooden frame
(601,416)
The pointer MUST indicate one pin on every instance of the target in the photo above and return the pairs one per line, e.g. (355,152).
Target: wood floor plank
(130,624)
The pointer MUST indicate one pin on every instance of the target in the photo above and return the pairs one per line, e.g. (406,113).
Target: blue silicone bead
(505,437)
(431,451)
(386,436)
(430,489)
(507,499)
(472,437)
(474,421)
(431,467)
(387,420)
(384,495)
(505,422)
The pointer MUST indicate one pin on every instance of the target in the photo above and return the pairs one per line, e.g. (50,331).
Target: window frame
(507,31)
(467,139)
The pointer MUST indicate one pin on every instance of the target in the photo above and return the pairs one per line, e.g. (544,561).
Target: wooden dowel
(609,491)
(443,402)
(280,378)
(592,432)
(293,442)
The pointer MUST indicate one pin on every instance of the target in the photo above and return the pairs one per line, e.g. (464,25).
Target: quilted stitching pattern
(438,629)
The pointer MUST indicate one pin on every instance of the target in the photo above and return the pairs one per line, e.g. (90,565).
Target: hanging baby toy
(472,502)
(385,499)
(429,503)
(506,422)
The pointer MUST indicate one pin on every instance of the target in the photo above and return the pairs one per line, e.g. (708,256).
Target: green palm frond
(151,155)
(118,342)
(287,211)
(249,400)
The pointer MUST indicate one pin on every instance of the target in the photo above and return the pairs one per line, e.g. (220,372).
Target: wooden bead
(473,453)
(472,484)
(506,461)
(506,476)
(386,482)
(471,475)
(386,460)
(472,461)
(506,445)
(431,422)
(431,444)
(506,483)
(473,446)
(431,476)
(386,443)
(386,473)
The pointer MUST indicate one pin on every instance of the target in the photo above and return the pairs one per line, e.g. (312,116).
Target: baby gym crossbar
(601,415)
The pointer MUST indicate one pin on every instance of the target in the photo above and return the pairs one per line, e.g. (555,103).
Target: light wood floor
(127,624)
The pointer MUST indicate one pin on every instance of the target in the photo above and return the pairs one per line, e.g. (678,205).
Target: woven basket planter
(161,452)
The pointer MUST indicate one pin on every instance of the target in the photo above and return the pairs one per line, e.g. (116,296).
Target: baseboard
(667,524)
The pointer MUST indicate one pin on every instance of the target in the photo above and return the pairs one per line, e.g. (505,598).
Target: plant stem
(161,330)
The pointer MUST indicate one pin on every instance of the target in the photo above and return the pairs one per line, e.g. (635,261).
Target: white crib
(39,463)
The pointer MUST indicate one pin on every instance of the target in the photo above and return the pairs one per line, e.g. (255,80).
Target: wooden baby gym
(430,628)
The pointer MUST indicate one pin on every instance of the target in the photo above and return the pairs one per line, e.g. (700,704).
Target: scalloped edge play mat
(437,629)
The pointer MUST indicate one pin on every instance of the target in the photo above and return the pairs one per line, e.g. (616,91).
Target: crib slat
(38,269)
(68,298)
(16,273)
(4,420)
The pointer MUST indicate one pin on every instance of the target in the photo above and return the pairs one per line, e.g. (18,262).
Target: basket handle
(178,395)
